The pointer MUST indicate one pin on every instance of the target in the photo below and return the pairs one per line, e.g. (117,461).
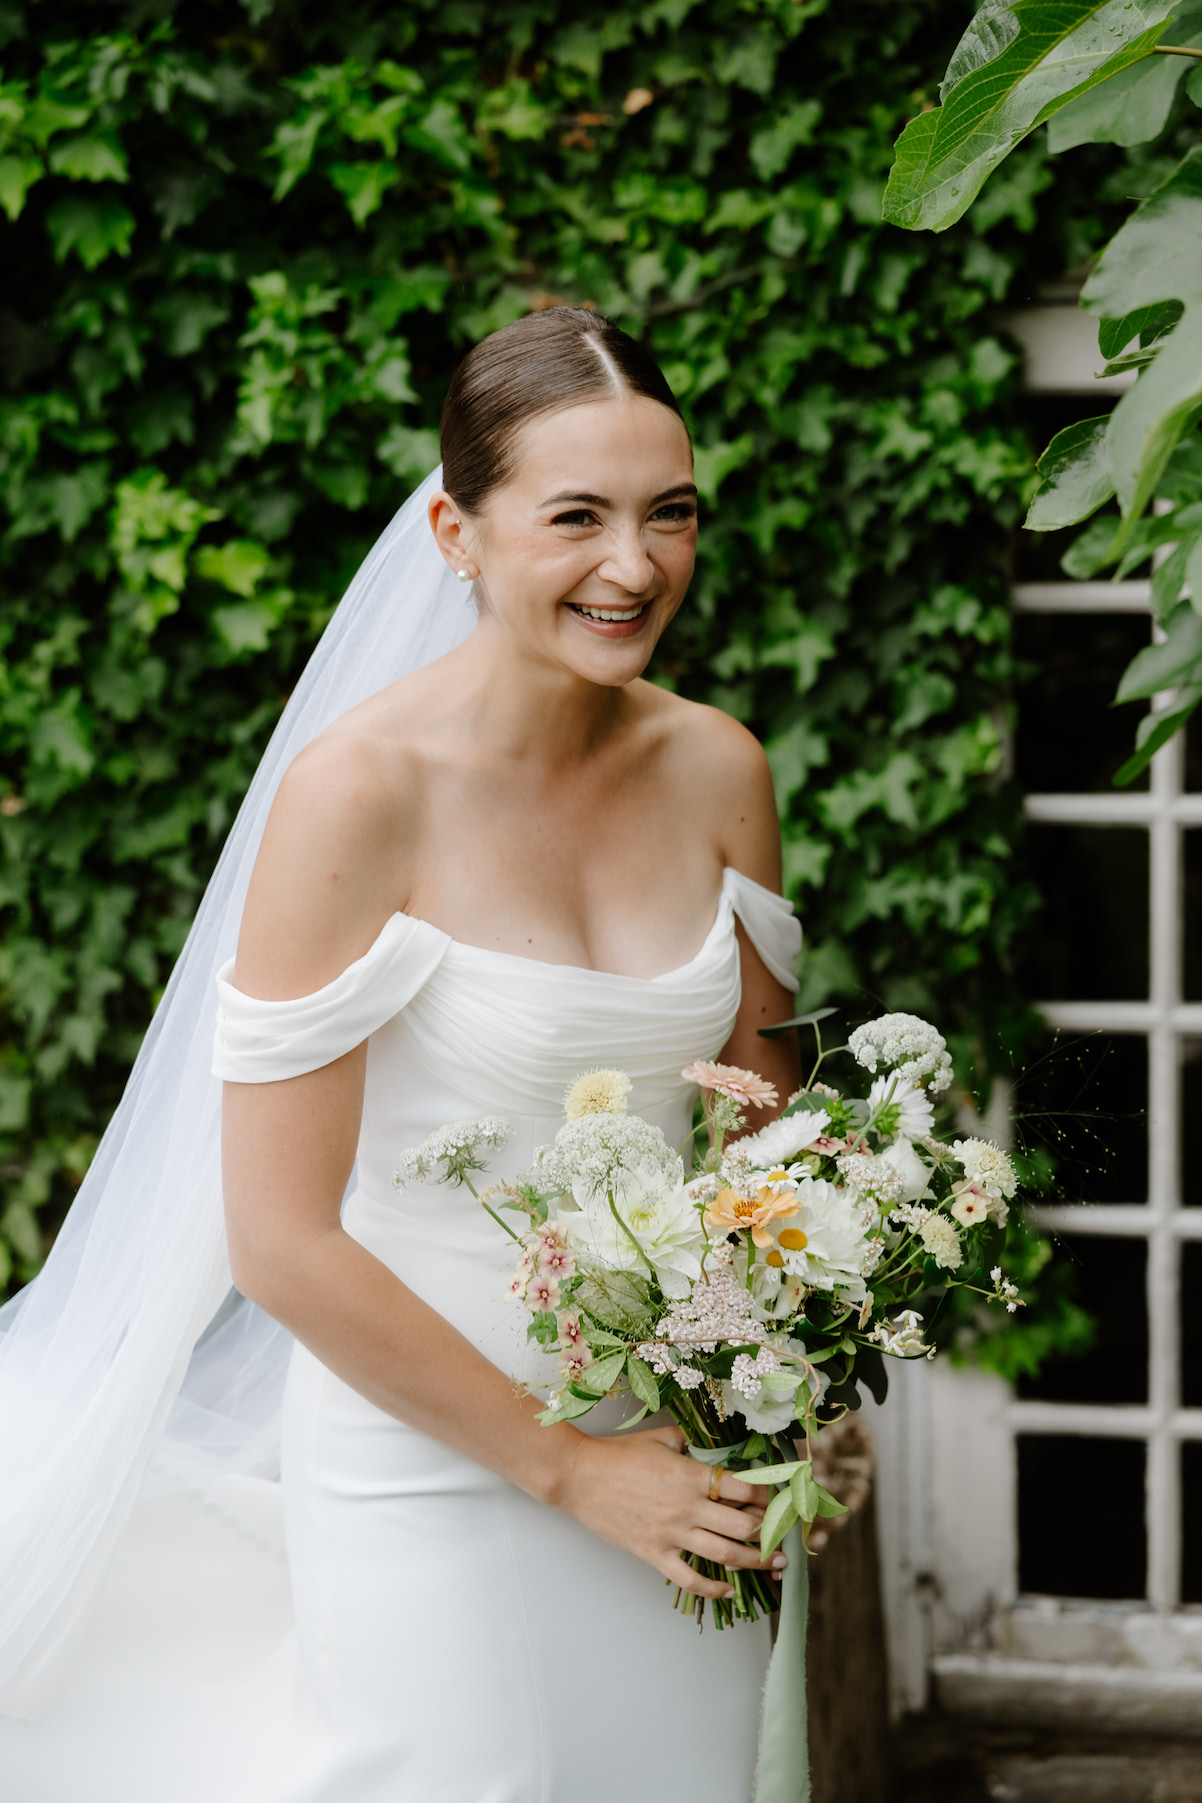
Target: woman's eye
(675,511)
(582,517)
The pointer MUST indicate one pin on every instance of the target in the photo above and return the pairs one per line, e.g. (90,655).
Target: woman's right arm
(326,880)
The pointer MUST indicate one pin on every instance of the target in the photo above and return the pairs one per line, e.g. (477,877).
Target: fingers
(678,1571)
(734,1524)
(668,1435)
(727,1552)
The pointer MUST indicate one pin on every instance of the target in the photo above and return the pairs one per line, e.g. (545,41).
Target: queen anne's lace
(601,1149)
(452,1151)
(907,1044)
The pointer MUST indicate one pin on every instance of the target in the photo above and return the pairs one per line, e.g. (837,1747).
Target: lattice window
(1141,1429)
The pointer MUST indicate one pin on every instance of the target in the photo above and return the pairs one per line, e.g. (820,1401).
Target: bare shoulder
(332,865)
(725,773)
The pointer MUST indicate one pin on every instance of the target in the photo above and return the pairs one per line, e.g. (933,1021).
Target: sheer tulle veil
(130,1362)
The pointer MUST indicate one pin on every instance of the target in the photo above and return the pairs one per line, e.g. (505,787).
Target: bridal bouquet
(746,1285)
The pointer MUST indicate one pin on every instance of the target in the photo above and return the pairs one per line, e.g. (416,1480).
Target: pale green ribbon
(782,1766)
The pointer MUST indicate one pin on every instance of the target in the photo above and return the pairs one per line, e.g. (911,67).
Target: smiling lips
(612,622)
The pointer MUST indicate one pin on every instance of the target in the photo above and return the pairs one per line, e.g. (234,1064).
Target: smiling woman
(515,860)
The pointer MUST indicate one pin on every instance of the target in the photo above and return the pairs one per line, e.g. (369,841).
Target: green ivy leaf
(93,229)
(97,158)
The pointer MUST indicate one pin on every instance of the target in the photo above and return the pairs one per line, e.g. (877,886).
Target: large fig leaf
(1076,476)
(1156,257)
(1018,63)
(1133,106)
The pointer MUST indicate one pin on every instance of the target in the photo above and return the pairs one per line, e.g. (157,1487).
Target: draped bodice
(455,1031)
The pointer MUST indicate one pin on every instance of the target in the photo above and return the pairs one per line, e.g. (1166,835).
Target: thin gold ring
(716,1482)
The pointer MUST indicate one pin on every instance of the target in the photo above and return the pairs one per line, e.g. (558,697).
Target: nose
(626,562)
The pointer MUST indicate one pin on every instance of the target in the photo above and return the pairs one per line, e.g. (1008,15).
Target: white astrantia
(645,1222)
(597,1150)
(900,1108)
(452,1151)
(782,1140)
(907,1044)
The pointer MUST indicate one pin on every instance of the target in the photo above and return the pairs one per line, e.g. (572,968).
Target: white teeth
(609,614)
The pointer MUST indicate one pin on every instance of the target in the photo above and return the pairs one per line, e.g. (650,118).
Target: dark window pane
(1190,1316)
(1089,943)
(1068,738)
(1081,1516)
(1084,1101)
(1191,1113)
(1110,1283)
(1193,751)
(1191,1521)
(1192,970)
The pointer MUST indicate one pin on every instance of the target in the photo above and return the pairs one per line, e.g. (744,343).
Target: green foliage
(1014,68)
(247,248)
(1019,62)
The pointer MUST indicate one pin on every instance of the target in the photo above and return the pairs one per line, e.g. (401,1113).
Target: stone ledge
(1118,1699)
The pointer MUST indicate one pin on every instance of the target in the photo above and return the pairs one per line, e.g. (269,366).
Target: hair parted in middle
(556,358)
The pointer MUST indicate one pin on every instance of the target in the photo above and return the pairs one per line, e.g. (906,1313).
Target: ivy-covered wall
(246,246)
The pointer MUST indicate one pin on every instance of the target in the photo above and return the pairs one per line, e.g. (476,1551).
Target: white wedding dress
(392,1623)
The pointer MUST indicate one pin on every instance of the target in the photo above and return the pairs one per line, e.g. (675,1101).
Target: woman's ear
(447,525)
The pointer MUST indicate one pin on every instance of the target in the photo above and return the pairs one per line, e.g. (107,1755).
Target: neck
(521,704)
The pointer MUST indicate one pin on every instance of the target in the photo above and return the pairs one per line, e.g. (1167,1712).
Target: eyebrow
(688,489)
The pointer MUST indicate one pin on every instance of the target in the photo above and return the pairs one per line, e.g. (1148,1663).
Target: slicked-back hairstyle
(541,364)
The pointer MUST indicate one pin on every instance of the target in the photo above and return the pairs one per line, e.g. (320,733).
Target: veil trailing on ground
(130,1361)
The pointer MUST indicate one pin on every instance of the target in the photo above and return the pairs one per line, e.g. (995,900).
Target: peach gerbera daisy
(729,1211)
(729,1080)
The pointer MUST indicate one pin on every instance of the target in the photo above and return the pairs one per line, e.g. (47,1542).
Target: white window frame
(1164,810)
(946,1439)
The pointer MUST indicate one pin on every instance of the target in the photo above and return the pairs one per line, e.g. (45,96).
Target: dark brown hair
(549,360)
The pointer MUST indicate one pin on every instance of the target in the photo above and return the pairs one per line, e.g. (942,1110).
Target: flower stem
(492,1211)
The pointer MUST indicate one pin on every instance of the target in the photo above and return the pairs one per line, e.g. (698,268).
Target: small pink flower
(827,1147)
(571,1334)
(971,1206)
(729,1080)
(553,1256)
(573,1365)
(542,1294)
(516,1289)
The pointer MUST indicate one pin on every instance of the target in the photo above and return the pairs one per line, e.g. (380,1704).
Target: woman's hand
(642,1495)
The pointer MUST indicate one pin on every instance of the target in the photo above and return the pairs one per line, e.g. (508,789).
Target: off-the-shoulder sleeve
(262,1042)
(770,923)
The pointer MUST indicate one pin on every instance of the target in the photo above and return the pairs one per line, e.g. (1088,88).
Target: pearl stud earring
(464,575)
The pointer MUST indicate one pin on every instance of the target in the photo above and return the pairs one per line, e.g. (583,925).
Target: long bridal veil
(130,1361)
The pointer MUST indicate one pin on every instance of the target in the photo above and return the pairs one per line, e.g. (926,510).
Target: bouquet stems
(756,1593)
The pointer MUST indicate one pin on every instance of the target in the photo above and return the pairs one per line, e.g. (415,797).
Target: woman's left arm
(749,834)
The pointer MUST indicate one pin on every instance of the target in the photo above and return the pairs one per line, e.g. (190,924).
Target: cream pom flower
(987,1165)
(597,1092)
(941,1241)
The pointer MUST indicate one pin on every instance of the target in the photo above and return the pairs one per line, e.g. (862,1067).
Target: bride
(480,872)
